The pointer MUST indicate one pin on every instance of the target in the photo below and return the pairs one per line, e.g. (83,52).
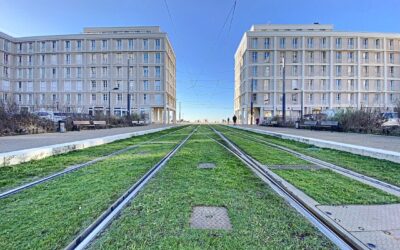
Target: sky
(203,33)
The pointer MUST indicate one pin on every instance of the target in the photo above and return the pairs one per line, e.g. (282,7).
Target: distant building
(79,73)
(325,69)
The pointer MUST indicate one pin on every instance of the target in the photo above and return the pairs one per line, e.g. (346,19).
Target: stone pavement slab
(391,143)
(377,226)
(35,147)
(19,142)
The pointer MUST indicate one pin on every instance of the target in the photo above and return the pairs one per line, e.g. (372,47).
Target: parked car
(391,119)
(45,114)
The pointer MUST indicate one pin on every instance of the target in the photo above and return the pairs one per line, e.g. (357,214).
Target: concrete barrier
(355,149)
(25,155)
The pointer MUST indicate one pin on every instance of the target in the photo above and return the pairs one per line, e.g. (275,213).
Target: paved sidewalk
(391,143)
(20,142)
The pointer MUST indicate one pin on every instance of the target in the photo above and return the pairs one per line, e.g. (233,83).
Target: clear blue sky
(204,47)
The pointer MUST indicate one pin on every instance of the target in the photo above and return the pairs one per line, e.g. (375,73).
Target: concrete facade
(88,72)
(325,70)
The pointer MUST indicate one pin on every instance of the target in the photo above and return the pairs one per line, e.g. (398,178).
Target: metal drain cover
(210,218)
(206,165)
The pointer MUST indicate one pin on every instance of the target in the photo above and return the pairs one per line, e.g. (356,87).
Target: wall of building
(88,72)
(324,69)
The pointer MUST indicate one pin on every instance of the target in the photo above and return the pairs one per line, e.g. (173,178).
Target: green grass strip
(263,153)
(330,188)
(159,216)
(49,216)
(380,169)
(12,176)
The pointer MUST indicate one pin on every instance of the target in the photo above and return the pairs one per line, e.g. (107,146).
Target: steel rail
(384,186)
(78,166)
(331,230)
(90,233)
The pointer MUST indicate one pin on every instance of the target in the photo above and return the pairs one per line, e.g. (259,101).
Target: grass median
(159,217)
(325,186)
(49,216)
(12,176)
(380,169)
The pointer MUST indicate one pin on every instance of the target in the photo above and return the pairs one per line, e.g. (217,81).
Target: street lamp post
(128,108)
(251,102)
(283,92)
(109,103)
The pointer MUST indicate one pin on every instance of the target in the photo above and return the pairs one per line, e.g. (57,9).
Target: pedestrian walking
(234,118)
(228,120)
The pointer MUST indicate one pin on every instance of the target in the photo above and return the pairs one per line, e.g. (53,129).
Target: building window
(93,72)
(310,42)
(119,44)
(365,43)
(130,43)
(366,84)
(158,71)
(338,70)
(295,43)
(267,43)
(145,85)
(338,56)
(104,44)
(158,57)
(351,43)
(93,85)
(377,43)
(338,84)
(144,98)
(338,42)
(267,56)
(338,97)
(146,71)
(79,45)
(282,43)
(267,71)
(67,45)
(158,44)
(93,97)
(323,42)
(254,43)
(105,85)
(145,44)
(93,44)
(157,85)
(145,57)
(105,97)
(254,56)
(254,70)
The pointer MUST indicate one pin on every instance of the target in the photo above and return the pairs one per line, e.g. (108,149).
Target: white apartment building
(88,72)
(324,69)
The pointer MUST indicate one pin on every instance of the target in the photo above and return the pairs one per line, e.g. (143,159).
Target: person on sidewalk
(228,120)
(234,118)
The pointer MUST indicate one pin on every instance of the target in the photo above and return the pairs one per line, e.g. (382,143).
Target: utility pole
(283,92)
(128,108)
(251,102)
(180,110)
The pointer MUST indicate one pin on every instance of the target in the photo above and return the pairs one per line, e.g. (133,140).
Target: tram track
(373,182)
(91,232)
(339,236)
(76,167)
